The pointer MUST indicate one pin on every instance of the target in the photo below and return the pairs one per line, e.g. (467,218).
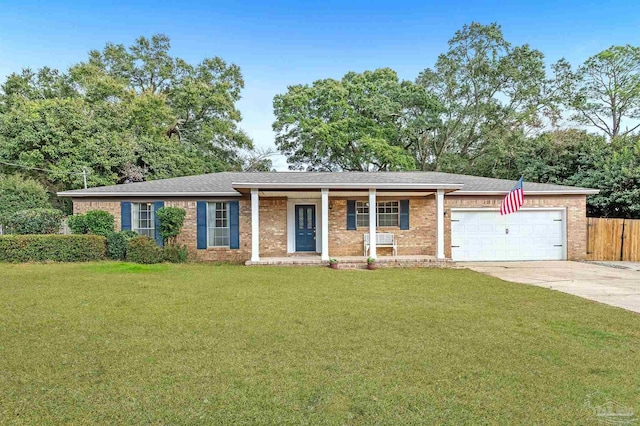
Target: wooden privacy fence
(613,239)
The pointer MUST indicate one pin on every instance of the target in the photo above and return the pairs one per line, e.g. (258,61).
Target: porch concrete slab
(406,261)
(613,286)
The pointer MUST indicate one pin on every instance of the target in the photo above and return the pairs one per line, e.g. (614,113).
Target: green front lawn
(185,344)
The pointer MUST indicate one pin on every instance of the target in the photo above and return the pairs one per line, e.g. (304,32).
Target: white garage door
(484,235)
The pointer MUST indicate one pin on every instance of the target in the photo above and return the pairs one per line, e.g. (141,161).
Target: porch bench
(383,239)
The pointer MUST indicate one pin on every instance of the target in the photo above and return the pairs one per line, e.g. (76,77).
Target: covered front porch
(303,224)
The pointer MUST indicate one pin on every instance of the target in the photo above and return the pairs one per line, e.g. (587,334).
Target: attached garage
(530,234)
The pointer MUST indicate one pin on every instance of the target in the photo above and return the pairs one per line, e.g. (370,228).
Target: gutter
(147,194)
(560,192)
(343,185)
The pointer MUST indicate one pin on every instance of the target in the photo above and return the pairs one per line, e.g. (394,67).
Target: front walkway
(613,286)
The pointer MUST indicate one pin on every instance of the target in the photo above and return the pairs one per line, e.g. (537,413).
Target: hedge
(58,248)
(34,221)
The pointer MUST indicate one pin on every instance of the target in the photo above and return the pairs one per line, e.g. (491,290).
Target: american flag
(514,199)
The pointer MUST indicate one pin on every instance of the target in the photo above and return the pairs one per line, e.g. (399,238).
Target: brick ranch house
(312,216)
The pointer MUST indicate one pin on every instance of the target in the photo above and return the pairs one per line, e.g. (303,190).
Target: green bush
(171,220)
(117,244)
(34,221)
(19,193)
(143,249)
(99,222)
(176,254)
(59,248)
(96,222)
(78,224)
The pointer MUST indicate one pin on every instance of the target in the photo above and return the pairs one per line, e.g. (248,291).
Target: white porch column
(373,209)
(325,224)
(440,224)
(255,225)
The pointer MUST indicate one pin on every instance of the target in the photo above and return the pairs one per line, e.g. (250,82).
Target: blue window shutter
(234,225)
(201,224)
(125,216)
(156,223)
(351,215)
(404,214)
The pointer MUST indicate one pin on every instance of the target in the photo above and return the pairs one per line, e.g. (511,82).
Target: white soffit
(317,194)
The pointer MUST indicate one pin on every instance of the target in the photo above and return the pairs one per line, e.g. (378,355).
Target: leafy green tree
(488,89)
(126,114)
(604,92)
(356,123)
(618,179)
(551,157)
(19,193)
(195,104)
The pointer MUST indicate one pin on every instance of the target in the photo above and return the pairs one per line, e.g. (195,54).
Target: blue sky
(278,43)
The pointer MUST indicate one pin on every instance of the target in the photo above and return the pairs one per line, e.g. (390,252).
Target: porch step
(358,262)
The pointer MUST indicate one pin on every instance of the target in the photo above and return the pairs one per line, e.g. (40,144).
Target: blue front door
(306,227)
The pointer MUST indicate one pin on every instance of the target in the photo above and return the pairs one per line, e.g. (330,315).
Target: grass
(202,344)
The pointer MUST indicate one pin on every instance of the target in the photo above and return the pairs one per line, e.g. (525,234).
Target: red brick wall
(188,236)
(419,239)
(189,233)
(273,227)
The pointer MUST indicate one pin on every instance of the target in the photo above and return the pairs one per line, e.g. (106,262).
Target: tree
(18,193)
(558,157)
(618,179)
(197,101)
(126,114)
(258,160)
(604,92)
(488,89)
(356,123)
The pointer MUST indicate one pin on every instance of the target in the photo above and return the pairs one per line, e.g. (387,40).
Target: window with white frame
(218,224)
(142,219)
(362,214)
(388,213)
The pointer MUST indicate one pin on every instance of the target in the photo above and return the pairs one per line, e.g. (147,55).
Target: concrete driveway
(614,286)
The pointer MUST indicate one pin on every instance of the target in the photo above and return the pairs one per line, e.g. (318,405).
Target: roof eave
(553,192)
(74,194)
(344,185)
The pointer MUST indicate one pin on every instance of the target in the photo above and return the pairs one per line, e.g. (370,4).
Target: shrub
(34,221)
(117,244)
(99,222)
(19,193)
(176,254)
(59,248)
(78,224)
(170,222)
(143,249)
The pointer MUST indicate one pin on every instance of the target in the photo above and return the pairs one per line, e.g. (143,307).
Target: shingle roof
(222,184)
